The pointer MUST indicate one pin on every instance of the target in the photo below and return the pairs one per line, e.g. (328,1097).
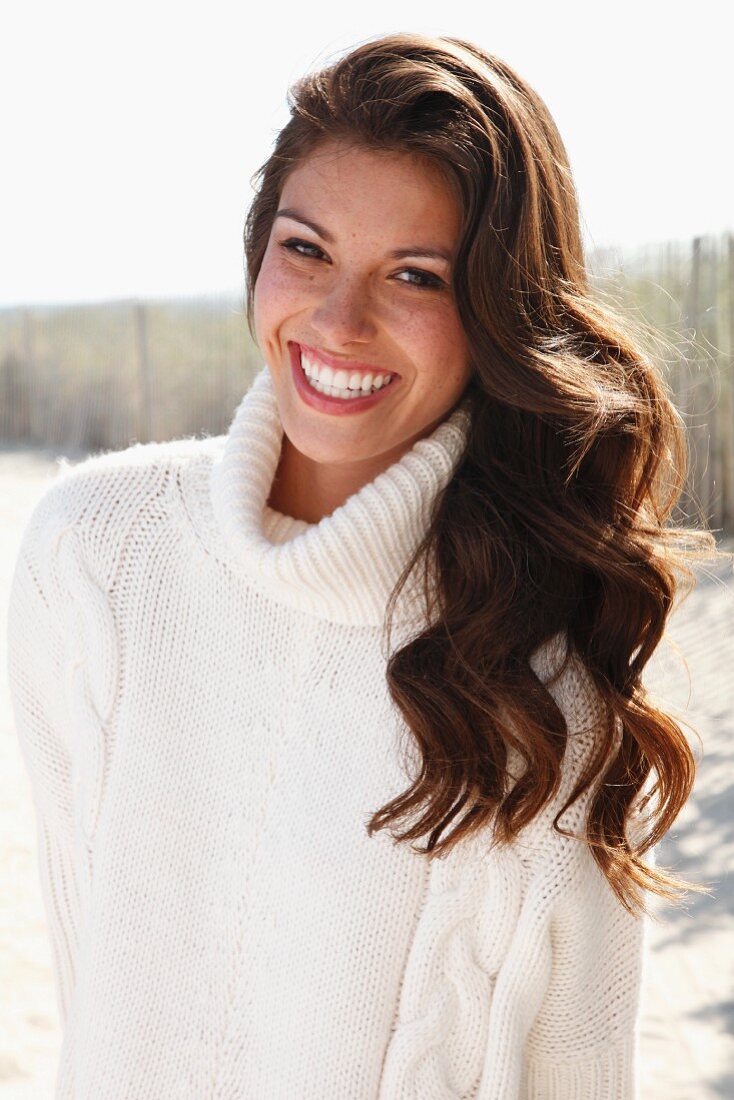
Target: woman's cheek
(428,328)
(276,295)
(273,280)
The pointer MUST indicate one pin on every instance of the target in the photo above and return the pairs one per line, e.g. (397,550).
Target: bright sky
(131,130)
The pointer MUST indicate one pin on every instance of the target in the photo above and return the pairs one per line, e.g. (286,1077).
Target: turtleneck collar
(344,567)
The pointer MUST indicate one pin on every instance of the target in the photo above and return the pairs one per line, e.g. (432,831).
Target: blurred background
(131,134)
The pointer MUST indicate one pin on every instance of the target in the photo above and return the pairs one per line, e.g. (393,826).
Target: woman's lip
(335,406)
(344,364)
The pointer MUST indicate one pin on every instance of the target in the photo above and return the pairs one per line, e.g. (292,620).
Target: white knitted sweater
(199,693)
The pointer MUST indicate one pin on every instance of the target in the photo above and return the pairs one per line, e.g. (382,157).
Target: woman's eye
(431,281)
(426,279)
(294,245)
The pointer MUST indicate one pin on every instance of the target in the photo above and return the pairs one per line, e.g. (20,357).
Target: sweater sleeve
(584,1041)
(524,976)
(583,1044)
(36,664)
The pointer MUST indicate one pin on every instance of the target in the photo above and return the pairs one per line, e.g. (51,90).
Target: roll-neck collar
(344,567)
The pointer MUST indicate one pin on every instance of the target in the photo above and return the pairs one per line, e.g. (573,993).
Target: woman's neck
(309,490)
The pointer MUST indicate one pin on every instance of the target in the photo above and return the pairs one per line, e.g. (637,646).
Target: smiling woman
(450,436)
(346,295)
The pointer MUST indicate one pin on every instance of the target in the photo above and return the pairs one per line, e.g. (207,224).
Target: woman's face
(338,292)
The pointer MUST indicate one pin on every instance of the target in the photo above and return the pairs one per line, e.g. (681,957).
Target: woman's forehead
(383,188)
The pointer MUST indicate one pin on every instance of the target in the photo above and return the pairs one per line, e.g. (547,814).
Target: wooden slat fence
(99,377)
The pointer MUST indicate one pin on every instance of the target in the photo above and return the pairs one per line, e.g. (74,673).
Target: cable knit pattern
(199,692)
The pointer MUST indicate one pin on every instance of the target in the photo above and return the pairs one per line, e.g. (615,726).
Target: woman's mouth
(337,390)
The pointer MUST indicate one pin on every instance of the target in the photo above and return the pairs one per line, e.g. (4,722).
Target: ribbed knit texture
(199,690)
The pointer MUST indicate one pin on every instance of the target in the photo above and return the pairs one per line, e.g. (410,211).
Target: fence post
(145,387)
(686,394)
(710,382)
(726,417)
(31,373)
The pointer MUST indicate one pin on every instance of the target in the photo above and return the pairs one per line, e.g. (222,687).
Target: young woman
(340,753)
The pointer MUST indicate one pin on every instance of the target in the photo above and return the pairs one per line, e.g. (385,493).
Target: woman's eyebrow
(397,253)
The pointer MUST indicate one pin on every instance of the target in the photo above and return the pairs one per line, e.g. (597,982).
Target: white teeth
(340,383)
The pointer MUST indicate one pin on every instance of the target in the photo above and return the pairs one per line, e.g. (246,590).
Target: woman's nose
(345,314)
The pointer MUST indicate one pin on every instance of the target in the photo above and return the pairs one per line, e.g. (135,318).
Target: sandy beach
(687,1031)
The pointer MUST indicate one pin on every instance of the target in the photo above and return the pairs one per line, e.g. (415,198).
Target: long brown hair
(555,519)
